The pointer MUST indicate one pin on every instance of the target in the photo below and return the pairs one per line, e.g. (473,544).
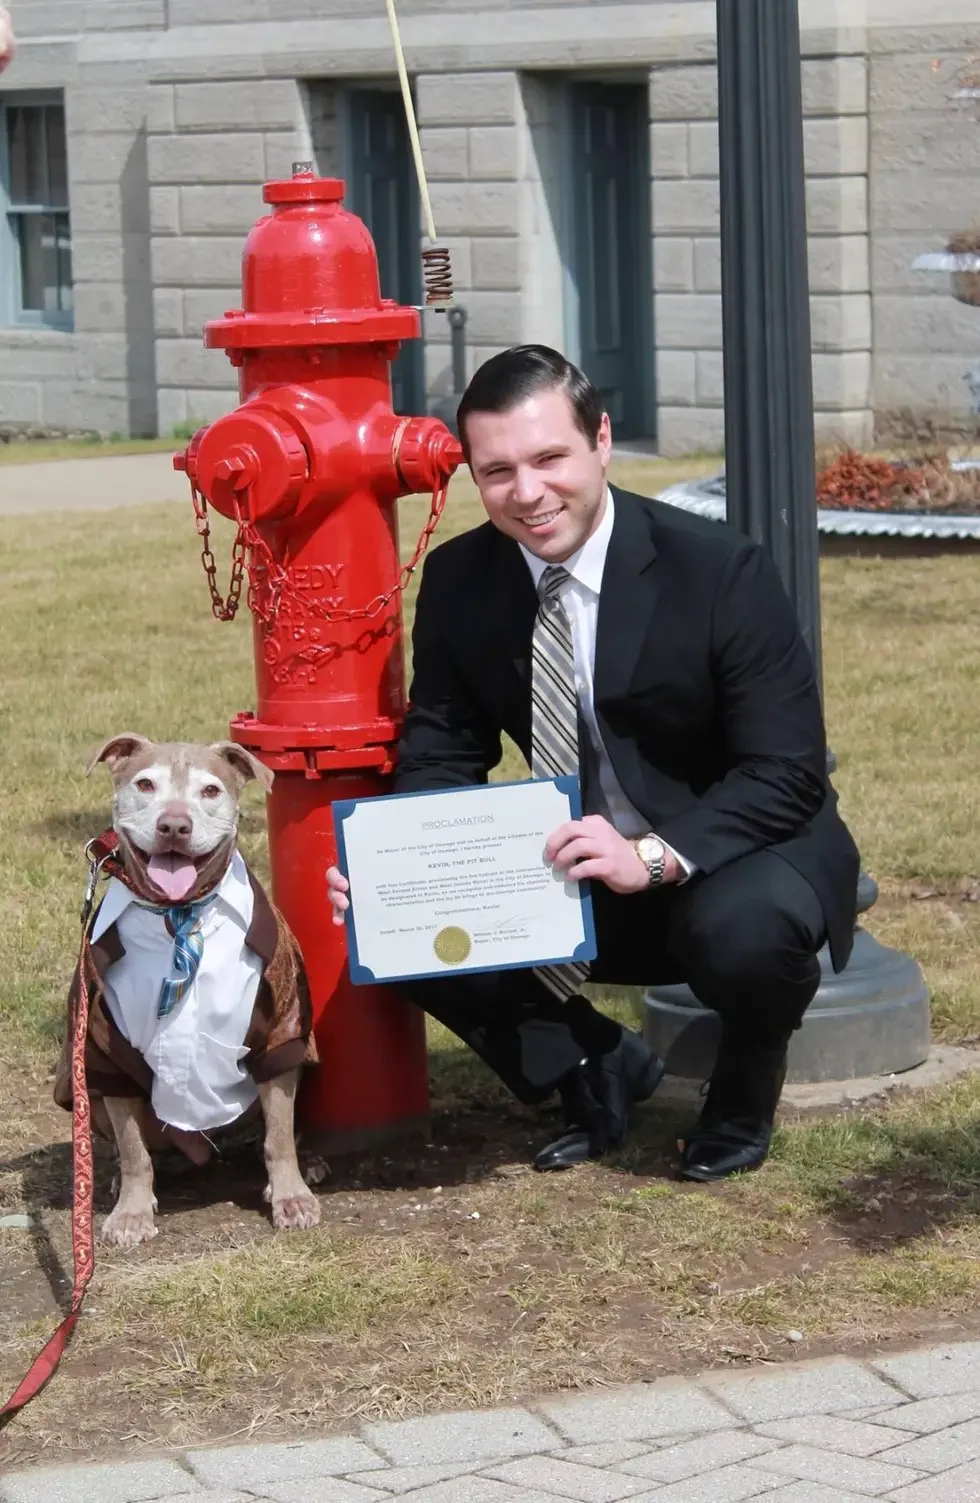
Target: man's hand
(590,847)
(337,889)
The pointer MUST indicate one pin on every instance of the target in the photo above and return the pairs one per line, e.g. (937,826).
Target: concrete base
(871,1020)
(945,1063)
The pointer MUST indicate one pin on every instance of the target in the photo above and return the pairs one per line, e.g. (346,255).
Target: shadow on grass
(890,1175)
(237,1178)
(885,1177)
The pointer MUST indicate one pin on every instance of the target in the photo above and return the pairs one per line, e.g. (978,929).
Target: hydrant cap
(310,276)
(309,253)
(304,188)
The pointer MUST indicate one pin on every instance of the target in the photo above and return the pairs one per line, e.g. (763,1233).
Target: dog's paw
(128,1228)
(295,1212)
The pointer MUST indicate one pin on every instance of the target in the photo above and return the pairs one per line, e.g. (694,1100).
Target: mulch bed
(861,482)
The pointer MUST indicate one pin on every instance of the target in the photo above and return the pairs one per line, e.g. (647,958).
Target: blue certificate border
(361,975)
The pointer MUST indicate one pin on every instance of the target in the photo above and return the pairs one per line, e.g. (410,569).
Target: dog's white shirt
(196,1051)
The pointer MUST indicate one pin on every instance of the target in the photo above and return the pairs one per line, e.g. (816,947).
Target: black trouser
(744,939)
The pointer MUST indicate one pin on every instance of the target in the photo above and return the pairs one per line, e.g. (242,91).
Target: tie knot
(551,581)
(182,915)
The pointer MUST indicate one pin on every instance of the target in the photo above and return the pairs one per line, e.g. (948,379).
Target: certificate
(457,880)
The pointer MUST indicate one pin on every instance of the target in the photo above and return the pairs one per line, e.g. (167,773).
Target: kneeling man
(657,655)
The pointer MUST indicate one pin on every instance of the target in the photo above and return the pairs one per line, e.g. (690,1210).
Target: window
(34,163)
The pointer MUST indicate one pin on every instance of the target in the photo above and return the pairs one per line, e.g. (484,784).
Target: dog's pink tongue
(174,875)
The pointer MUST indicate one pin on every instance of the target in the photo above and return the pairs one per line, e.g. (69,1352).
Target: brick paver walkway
(904,1428)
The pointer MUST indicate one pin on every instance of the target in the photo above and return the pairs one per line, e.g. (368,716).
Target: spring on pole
(437,274)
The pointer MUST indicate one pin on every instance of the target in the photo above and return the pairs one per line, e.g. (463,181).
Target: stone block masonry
(176,113)
(473,132)
(686,249)
(924,157)
(210,146)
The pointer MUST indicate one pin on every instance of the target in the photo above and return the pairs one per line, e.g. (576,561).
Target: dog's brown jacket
(279,1037)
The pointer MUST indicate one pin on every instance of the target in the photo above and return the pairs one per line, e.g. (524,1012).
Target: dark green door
(383,191)
(611,250)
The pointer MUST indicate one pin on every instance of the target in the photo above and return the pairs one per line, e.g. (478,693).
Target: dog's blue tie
(185,920)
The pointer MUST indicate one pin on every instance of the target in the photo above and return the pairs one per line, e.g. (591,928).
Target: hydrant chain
(265,597)
(223,609)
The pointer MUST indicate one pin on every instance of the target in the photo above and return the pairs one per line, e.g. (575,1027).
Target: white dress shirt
(196,1051)
(580,597)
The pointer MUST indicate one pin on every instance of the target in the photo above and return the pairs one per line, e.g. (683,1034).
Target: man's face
(538,478)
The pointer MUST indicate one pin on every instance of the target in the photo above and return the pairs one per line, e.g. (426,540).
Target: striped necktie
(185,919)
(554,725)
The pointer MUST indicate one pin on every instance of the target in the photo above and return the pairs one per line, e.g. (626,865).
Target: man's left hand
(590,847)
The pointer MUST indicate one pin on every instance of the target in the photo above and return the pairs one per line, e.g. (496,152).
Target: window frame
(12,314)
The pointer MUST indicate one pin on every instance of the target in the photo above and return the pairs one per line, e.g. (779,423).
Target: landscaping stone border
(850,531)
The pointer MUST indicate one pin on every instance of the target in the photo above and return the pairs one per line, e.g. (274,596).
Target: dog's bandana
(185,920)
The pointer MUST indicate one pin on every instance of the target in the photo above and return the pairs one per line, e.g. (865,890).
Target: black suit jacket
(704,692)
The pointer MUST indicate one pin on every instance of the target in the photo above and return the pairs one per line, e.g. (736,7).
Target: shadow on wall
(138,293)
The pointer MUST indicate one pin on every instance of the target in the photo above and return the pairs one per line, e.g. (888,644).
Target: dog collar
(103,854)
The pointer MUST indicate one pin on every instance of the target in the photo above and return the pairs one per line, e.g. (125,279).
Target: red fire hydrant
(310,465)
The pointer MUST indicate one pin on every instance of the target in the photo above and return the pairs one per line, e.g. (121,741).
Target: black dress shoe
(734,1130)
(596,1098)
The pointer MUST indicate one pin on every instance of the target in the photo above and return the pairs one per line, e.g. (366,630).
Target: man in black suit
(711,841)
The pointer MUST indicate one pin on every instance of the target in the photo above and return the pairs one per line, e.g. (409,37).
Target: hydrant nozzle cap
(252,456)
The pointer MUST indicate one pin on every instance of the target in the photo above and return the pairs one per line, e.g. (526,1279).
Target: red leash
(45,1364)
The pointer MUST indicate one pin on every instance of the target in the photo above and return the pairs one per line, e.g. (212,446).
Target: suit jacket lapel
(626,600)
(514,588)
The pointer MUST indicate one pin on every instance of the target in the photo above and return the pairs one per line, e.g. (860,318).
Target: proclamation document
(457,880)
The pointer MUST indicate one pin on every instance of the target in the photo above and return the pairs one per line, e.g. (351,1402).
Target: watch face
(650,849)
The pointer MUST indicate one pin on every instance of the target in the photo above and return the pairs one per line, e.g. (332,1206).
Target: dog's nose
(174,822)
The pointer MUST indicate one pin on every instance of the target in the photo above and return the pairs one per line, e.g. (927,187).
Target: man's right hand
(337,889)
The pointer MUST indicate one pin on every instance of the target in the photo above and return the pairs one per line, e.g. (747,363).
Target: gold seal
(452,945)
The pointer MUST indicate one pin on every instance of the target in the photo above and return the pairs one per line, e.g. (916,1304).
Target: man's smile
(542,521)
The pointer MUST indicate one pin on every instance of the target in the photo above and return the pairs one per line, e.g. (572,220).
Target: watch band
(654,861)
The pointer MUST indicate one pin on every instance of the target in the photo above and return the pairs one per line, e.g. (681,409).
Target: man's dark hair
(508,379)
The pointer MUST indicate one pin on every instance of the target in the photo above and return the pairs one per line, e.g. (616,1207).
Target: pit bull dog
(199,1009)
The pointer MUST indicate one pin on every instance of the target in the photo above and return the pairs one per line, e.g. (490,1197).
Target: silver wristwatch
(653,854)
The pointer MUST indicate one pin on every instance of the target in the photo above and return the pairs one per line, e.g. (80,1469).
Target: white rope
(430,228)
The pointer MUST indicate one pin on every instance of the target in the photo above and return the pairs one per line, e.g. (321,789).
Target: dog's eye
(144,785)
(211,790)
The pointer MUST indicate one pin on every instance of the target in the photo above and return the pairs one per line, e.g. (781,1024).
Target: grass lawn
(447,1273)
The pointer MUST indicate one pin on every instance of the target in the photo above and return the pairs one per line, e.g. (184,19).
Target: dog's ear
(244,763)
(117,750)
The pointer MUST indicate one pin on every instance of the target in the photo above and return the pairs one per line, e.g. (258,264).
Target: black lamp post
(874,1016)
(770,473)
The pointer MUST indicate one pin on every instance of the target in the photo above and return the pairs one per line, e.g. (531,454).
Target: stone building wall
(177,112)
(687,269)
(924,185)
(100,374)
